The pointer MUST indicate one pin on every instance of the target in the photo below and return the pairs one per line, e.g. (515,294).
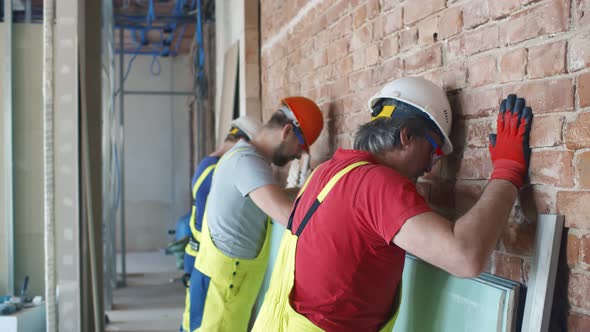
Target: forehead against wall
(339,53)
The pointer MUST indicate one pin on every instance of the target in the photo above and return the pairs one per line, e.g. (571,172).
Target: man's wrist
(509,170)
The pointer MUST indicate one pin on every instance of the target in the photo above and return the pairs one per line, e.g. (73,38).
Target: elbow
(469,267)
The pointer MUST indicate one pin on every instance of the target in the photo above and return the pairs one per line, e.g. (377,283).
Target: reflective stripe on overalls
(192,248)
(276,313)
(224,289)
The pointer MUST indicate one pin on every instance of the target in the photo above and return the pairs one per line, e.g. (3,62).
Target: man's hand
(509,148)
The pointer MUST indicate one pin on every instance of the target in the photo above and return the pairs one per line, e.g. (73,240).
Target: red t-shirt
(347,268)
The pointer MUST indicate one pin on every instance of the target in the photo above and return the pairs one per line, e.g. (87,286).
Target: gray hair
(383,134)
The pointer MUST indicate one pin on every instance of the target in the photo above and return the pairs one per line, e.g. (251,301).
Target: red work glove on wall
(509,148)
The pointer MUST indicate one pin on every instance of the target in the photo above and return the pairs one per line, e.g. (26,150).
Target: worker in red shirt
(341,259)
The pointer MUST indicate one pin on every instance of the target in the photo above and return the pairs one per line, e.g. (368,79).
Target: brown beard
(279,157)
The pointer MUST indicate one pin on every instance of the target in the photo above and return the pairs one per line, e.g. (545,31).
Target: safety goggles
(299,134)
(437,152)
(296,127)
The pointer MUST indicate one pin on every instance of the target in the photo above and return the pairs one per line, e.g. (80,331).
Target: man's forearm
(480,228)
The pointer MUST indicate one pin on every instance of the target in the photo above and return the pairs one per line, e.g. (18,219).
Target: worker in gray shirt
(236,227)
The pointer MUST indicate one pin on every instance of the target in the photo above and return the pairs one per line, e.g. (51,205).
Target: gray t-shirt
(236,224)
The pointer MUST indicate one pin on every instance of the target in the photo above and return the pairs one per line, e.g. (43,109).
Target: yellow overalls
(228,286)
(192,248)
(276,314)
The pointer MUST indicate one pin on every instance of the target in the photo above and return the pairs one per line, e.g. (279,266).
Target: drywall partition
(156,175)
(5,253)
(28,156)
(433,300)
(238,22)
(544,269)
(228,93)
(27,153)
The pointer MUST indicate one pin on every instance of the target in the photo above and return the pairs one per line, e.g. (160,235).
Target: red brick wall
(339,53)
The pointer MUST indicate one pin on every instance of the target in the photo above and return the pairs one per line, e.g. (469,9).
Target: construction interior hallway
(154,297)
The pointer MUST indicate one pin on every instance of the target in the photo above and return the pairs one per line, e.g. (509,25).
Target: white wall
(27,128)
(237,21)
(157,175)
(3,238)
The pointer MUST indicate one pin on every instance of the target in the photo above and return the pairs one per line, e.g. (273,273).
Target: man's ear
(286,131)
(404,137)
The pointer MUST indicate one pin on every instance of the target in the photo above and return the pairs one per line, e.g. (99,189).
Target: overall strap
(202,178)
(321,196)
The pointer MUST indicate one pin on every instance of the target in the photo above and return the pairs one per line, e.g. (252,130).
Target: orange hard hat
(308,115)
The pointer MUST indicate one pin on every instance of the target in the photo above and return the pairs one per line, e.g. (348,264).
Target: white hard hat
(424,95)
(247,124)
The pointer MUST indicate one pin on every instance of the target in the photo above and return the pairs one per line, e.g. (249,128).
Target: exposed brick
(508,266)
(408,38)
(553,168)
(441,195)
(513,65)
(450,23)
(338,88)
(475,165)
(583,89)
(478,133)
(578,290)
(428,31)
(519,239)
(577,135)
(389,4)
(475,13)
(536,199)
(482,71)
(478,103)
(575,206)
(336,10)
(343,27)
(423,59)
(386,72)
(502,8)
(546,60)
(372,55)
(573,250)
(585,249)
(546,96)
(582,14)
(390,46)
(338,49)
(373,8)
(320,58)
(450,77)
(385,25)
(550,17)
(360,80)
(359,16)
(361,37)
(467,194)
(578,54)
(583,169)
(474,42)
(341,68)
(321,40)
(416,10)
(546,131)
(578,322)
(358,59)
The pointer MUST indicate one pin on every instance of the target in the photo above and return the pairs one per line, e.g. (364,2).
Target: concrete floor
(154,297)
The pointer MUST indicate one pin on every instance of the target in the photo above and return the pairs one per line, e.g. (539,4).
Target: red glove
(509,148)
